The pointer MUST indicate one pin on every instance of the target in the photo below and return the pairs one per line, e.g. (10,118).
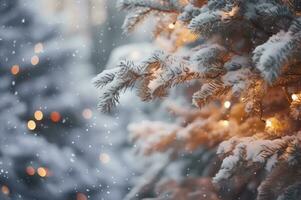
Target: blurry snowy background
(55,144)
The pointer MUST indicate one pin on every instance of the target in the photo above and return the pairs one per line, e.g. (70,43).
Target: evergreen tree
(239,61)
(54,145)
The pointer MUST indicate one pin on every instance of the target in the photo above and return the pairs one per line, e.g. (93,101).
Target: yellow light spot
(295,97)
(224,123)
(35,60)
(104,158)
(42,171)
(5,190)
(38,48)
(30,170)
(81,196)
(31,125)
(87,113)
(171,26)
(15,69)
(227,104)
(269,123)
(38,115)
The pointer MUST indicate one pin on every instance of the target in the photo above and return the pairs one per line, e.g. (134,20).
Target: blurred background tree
(54,144)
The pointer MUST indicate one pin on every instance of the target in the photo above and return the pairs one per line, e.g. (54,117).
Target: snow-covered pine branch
(267,153)
(279,51)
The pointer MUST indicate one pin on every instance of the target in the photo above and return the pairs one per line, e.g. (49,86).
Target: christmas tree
(238,61)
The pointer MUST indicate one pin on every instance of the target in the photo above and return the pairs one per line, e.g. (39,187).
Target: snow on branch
(266,152)
(279,51)
(160,5)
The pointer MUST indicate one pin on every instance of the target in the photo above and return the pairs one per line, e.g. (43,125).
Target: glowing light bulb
(227,104)
(268,123)
(15,69)
(171,26)
(295,97)
(38,115)
(31,125)
(35,60)
(5,190)
(30,170)
(104,158)
(42,171)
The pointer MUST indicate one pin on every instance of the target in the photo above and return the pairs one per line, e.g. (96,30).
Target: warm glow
(42,171)
(171,26)
(81,196)
(5,190)
(104,158)
(224,123)
(15,69)
(31,125)
(35,60)
(38,115)
(275,126)
(55,116)
(30,170)
(227,104)
(87,113)
(38,48)
(269,123)
(295,97)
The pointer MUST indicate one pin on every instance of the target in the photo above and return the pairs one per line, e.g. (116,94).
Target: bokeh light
(5,190)
(81,196)
(30,171)
(42,172)
(87,113)
(104,158)
(38,115)
(15,69)
(38,48)
(31,125)
(55,116)
(35,60)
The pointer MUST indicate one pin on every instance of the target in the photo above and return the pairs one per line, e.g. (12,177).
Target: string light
(31,125)
(15,69)
(38,115)
(30,171)
(38,48)
(171,26)
(268,123)
(274,126)
(81,196)
(87,113)
(224,123)
(42,172)
(55,116)
(227,104)
(35,60)
(295,97)
(104,158)
(5,190)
